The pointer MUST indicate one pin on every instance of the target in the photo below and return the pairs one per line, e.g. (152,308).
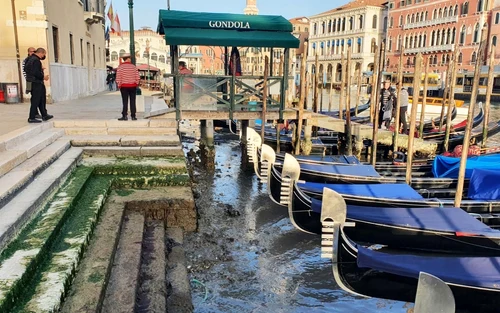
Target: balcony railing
(448,47)
(334,57)
(443,20)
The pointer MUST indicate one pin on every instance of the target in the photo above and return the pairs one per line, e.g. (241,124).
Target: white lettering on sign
(229,24)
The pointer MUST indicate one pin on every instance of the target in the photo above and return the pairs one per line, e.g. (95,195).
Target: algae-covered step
(137,166)
(51,279)
(19,260)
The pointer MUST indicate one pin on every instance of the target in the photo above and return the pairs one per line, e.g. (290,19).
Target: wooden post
(342,85)
(468,128)
(264,98)
(316,82)
(348,103)
(445,95)
(451,97)
(417,77)
(488,97)
(278,125)
(308,88)
(375,87)
(376,103)
(358,92)
(330,97)
(397,124)
(424,101)
(303,82)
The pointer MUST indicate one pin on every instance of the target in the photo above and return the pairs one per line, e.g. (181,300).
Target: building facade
(435,28)
(212,60)
(72,32)
(359,26)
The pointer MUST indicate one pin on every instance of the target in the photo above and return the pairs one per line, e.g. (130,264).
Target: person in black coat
(35,75)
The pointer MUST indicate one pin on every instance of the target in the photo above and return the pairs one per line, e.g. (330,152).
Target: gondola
(361,108)
(439,135)
(390,273)
(429,125)
(476,135)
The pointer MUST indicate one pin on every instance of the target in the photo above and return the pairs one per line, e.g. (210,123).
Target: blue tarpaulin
(485,184)
(353,170)
(442,219)
(388,191)
(448,166)
(470,271)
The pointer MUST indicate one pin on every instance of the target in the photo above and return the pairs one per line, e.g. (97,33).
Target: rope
(201,284)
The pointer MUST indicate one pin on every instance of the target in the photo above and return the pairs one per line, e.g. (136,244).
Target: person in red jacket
(127,79)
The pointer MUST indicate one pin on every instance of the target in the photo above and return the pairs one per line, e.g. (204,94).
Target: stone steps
(134,151)
(24,255)
(17,178)
(123,141)
(25,148)
(18,211)
(19,136)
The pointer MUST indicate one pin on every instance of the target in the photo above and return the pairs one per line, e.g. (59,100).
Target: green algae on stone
(96,277)
(54,277)
(124,192)
(142,182)
(137,166)
(21,258)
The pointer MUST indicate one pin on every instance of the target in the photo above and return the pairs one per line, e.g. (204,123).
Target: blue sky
(146,11)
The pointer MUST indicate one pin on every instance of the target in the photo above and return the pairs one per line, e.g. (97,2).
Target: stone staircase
(36,196)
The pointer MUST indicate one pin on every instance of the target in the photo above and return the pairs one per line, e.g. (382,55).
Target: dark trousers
(38,100)
(380,118)
(128,93)
(402,119)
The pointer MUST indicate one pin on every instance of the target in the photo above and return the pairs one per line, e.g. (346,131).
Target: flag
(111,13)
(106,35)
(115,27)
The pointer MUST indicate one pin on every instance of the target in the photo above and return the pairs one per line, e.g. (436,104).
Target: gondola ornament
(253,143)
(433,295)
(267,159)
(290,173)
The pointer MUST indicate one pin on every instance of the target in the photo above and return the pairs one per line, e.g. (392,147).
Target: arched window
(374,22)
(443,59)
(460,57)
(476,33)
(434,14)
(373,46)
(480,6)
(408,62)
(389,47)
(453,35)
(445,12)
(114,56)
(361,22)
(351,23)
(343,24)
(359,45)
(330,26)
(448,36)
(391,24)
(400,21)
(339,24)
(334,26)
(465,8)
(450,12)
(145,55)
(412,20)
(323,28)
(424,44)
(122,52)
(154,56)
(161,58)
(406,42)
(494,40)
(497,18)
(426,15)
(407,19)
(398,43)
(443,37)
(474,57)
(315,29)
(433,38)
(411,42)
(420,41)
(462,35)
(440,13)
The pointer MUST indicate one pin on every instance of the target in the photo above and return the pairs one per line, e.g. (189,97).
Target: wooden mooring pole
(348,132)
(424,101)
(358,91)
(316,83)
(451,97)
(468,128)
(330,96)
(397,124)
(303,83)
(376,103)
(417,77)
(264,99)
(375,87)
(342,85)
(278,124)
(445,95)
(487,101)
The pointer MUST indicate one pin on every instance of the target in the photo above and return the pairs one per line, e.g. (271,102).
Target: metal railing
(448,47)
(437,21)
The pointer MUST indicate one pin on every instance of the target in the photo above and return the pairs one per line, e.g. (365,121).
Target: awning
(221,29)
(144,67)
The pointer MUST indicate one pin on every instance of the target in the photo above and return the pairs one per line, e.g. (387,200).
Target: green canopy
(221,29)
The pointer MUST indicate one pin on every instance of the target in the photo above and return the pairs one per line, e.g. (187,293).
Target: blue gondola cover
(469,271)
(354,170)
(448,166)
(484,184)
(388,191)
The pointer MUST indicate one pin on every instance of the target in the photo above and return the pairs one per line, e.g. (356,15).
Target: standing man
(183,70)
(403,108)
(127,79)
(386,102)
(35,75)
(31,50)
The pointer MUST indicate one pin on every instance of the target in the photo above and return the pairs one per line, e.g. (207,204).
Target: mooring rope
(201,284)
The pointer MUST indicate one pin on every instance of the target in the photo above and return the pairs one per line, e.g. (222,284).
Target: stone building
(212,60)
(72,32)
(434,28)
(359,25)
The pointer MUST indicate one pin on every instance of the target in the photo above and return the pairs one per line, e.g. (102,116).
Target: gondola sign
(229,24)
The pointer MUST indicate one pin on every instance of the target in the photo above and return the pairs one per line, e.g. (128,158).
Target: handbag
(28,87)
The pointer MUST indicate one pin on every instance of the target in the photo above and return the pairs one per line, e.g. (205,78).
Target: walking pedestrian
(403,108)
(31,50)
(127,79)
(35,75)
(386,104)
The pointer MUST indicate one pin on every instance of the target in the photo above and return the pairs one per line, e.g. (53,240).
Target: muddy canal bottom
(248,257)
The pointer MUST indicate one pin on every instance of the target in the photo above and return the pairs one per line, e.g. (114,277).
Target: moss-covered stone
(142,182)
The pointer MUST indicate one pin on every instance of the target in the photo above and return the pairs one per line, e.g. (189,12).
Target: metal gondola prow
(253,143)
(267,159)
(289,174)
(433,295)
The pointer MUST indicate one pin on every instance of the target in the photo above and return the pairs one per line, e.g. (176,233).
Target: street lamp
(132,40)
